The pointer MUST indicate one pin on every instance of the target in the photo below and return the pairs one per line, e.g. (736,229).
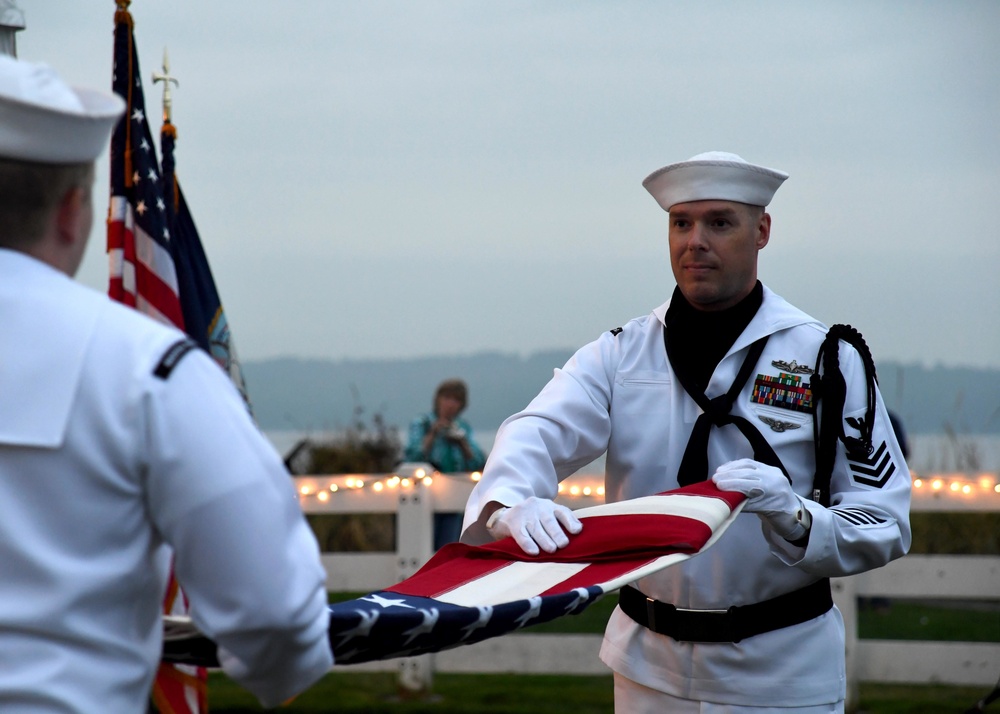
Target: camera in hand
(454,432)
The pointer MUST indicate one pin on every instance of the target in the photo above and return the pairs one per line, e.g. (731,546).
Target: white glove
(535,523)
(769,495)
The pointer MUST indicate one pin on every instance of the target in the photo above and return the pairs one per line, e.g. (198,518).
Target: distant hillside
(298,394)
(940,399)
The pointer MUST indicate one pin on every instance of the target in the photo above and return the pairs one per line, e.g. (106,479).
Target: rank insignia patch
(874,470)
(172,356)
(785,391)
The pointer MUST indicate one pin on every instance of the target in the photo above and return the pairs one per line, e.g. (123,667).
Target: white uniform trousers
(634,698)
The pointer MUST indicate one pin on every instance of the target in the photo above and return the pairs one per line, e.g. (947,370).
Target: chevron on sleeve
(857,516)
(874,470)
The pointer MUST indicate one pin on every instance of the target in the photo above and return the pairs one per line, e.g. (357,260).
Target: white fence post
(845,597)
(414,546)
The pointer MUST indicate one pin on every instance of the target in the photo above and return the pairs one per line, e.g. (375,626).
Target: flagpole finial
(166,78)
(122,15)
(11,22)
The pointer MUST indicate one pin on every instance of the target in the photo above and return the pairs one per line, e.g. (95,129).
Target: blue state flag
(204,318)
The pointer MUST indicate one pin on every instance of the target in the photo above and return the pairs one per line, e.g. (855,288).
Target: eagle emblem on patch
(786,391)
(777,424)
(856,423)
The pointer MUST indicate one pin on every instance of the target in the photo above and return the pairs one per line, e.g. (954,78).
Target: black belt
(732,625)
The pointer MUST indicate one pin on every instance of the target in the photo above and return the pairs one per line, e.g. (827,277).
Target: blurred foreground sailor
(717,383)
(117,438)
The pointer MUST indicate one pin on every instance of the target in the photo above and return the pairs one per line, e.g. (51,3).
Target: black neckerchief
(699,339)
(696,342)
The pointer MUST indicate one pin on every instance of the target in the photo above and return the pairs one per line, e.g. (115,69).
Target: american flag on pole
(157,266)
(466,594)
(157,262)
(142,270)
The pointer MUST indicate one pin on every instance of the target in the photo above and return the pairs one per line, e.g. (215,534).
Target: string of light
(956,484)
(322,487)
(590,486)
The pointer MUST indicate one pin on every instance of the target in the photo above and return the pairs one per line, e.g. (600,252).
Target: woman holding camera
(441,438)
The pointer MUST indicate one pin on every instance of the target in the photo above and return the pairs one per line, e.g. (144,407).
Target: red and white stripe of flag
(142,272)
(620,543)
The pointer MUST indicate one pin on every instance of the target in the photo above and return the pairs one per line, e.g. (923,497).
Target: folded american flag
(466,594)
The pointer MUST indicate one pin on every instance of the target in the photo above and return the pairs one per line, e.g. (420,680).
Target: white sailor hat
(714,175)
(43,120)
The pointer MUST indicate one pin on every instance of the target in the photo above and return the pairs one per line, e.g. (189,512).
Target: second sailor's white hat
(44,120)
(714,175)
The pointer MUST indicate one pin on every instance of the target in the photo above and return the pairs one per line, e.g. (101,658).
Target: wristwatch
(800,534)
(494,517)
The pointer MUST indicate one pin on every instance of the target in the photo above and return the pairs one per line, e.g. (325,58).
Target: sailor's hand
(769,495)
(535,523)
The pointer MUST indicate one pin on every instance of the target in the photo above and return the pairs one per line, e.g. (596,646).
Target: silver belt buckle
(710,612)
(684,635)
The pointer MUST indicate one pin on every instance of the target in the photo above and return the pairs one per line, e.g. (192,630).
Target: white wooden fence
(415,492)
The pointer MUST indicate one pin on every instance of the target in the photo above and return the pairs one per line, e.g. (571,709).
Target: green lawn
(910,620)
(922,699)
(355,693)
(377,693)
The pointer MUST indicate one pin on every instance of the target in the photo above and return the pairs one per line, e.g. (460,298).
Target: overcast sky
(399,179)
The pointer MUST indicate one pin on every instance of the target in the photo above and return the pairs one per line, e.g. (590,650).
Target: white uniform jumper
(102,463)
(620,394)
